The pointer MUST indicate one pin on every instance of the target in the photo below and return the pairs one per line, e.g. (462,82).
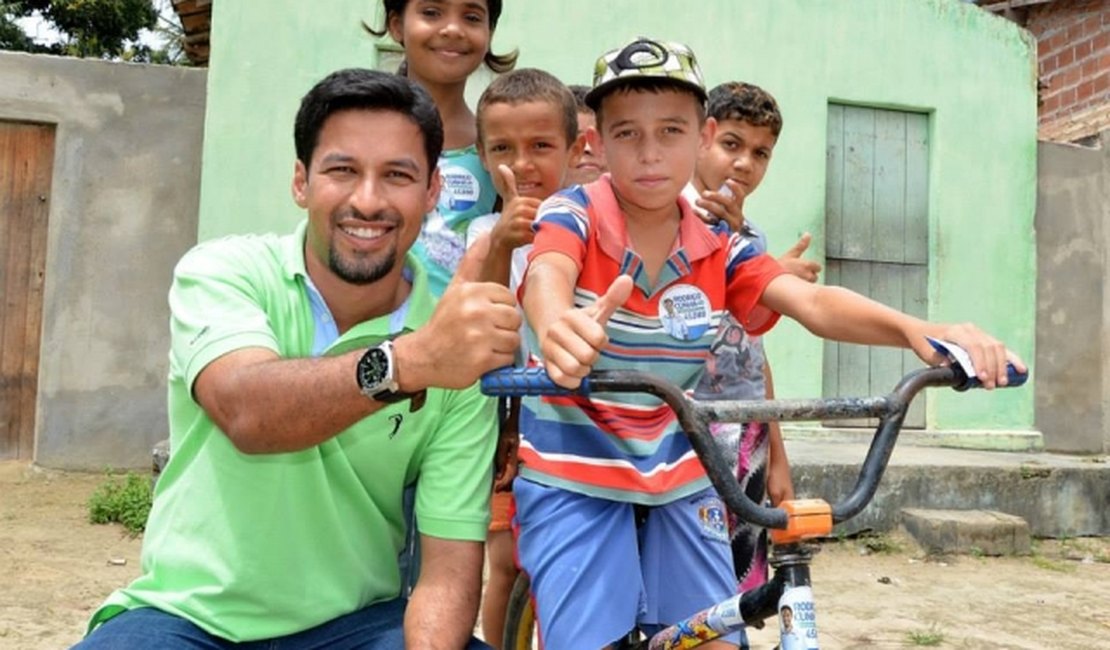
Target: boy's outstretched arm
(570,339)
(842,315)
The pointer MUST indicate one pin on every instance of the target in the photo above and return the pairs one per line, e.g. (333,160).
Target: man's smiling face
(366,190)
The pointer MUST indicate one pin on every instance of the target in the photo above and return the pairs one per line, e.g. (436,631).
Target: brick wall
(1073,50)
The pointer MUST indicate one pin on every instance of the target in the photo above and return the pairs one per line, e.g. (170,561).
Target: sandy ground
(56,568)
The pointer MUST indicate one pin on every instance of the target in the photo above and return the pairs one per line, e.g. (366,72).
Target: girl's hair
(497,62)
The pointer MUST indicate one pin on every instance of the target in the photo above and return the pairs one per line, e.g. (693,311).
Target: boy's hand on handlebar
(988,355)
(572,344)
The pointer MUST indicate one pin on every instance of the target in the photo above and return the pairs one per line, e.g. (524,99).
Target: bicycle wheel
(520,618)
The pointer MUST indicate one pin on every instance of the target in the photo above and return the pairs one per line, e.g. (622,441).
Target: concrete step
(983,532)
(1058,495)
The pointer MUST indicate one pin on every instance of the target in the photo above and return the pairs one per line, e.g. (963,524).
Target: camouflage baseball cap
(646,58)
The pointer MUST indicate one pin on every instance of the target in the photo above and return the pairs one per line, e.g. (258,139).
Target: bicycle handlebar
(694,417)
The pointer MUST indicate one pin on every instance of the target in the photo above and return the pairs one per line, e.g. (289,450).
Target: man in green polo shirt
(312,379)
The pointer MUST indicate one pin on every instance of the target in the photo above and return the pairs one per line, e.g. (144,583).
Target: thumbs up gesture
(572,344)
(792,260)
(474,329)
(514,228)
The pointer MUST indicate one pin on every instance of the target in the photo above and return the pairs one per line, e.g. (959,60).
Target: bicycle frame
(793,522)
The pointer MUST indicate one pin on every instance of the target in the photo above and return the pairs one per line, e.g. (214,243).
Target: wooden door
(877,213)
(26,164)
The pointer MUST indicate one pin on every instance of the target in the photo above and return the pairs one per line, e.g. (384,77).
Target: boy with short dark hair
(748,127)
(528,140)
(606,258)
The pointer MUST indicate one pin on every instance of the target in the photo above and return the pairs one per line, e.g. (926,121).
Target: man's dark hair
(362,89)
(530,85)
(496,62)
(744,102)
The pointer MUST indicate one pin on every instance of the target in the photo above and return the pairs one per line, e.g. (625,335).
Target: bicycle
(791,524)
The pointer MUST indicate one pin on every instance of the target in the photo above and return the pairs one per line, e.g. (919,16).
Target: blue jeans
(377,627)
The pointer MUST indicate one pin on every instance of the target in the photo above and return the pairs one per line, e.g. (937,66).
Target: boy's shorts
(501,512)
(595,576)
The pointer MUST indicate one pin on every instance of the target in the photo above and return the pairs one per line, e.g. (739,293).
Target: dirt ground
(55,569)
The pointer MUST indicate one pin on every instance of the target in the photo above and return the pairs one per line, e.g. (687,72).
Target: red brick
(1057,41)
(1102,83)
(1065,58)
(1102,42)
(1085,91)
(1092,25)
(1051,104)
(1074,32)
(1042,48)
(1089,68)
(1082,50)
(1071,77)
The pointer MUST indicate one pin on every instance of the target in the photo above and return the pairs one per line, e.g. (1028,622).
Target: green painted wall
(973,72)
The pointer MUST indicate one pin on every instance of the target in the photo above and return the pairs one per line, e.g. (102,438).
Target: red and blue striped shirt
(629,447)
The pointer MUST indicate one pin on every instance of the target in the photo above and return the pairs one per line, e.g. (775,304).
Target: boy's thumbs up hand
(507,187)
(474,329)
(618,293)
(792,260)
(514,228)
(573,343)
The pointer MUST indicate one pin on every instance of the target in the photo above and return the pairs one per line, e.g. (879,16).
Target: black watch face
(373,368)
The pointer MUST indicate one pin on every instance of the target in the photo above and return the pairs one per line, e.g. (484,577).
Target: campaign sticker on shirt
(461,189)
(684,312)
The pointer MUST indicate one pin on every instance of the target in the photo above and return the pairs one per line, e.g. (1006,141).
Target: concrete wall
(123,209)
(1073,307)
(973,73)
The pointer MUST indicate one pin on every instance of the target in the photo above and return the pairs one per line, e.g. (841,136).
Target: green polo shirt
(259,546)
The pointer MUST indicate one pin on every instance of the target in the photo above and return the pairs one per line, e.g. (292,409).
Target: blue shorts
(595,576)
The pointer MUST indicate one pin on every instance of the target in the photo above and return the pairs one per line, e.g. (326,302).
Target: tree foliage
(105,29)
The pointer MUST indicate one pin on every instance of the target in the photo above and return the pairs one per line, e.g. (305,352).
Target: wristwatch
(377,375)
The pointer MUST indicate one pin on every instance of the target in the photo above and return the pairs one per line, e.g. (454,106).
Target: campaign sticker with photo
(461,189)
(797,620)
(684,312)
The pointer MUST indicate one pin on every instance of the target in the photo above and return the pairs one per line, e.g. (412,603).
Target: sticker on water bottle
(797,620)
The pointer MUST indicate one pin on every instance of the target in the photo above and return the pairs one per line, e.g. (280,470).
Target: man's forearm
(444,606)
(280,405)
